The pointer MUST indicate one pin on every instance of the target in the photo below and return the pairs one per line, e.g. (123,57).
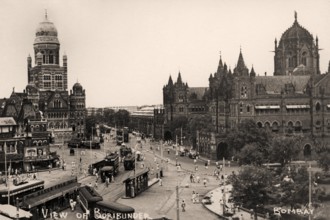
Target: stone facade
(47,88)
(295,100)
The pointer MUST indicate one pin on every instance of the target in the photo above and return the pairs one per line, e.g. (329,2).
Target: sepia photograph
(165,109)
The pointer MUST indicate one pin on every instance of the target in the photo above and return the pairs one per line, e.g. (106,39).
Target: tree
(324,161)
(198,123)
(250,186)
(252,154)
(122,118)
(247,132)
(283,149)
(109,115)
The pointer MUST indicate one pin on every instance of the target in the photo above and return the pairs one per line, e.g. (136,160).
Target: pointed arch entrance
(167,135)
(222,151)
(307,150)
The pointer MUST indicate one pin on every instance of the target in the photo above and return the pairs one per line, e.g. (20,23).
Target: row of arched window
(57,115)
(57,125)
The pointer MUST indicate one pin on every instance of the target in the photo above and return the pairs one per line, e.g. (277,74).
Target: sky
(123,51)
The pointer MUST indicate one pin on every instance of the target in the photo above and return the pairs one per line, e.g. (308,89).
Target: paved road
(158,200)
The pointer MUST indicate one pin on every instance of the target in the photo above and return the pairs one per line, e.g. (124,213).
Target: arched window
(318,107)
(304,58)
(243,91)
(259,124)
(240,108)
(51,57)
(289,60)
(275,126)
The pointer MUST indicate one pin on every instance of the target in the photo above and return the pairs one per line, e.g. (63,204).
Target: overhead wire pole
(90,145)
(177,203)
(310,191)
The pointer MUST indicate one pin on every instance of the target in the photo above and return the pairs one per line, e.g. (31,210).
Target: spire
(329,67)
(252,73)
(179,80)
(170,81)
(295,16)
(46,16)
(240,62)
(240,69)
(220,66)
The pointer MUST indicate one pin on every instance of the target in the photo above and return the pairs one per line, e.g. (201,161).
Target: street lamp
(90,145)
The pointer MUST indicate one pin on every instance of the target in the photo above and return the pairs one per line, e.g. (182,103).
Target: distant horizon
(123,52)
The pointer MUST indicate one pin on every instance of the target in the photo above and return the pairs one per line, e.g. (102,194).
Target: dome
(295,32)
(77,85)
(46,32)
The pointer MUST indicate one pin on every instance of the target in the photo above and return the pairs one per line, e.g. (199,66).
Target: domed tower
(296,53)
(77,110)
(47,73)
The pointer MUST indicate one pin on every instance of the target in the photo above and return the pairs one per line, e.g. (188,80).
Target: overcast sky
(124,51)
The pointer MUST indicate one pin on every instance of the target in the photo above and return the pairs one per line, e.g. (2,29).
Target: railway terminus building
(296,99)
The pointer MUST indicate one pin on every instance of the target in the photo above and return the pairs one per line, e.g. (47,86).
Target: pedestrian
(191,177)
(229,163)
(97,177)
(195,161)
(221,167)
(49,167)
(198,179)
(196,167)
(197,198)
(34,176)
(242,217)
(206,166)
(193,197)
(95,185)
(208,162)
(160,182)
(183,205)
(204,182)
(80,159)
(168,150)
(107,181)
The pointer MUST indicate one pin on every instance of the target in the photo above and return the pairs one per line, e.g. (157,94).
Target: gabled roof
(276,83)
(199,91)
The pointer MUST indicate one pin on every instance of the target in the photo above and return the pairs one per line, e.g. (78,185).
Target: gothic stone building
(47,88)
(296,99)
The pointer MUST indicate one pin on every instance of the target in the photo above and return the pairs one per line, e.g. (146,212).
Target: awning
(297,106)
(47,196)
(267,107)
(11,211)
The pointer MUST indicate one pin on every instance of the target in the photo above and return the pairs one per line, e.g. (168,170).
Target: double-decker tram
(129,162)
(94,206)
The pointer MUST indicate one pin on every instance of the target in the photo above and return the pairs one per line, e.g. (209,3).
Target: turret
(29,61)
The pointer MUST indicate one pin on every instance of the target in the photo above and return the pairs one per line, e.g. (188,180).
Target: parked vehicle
(75,143)
(91,144)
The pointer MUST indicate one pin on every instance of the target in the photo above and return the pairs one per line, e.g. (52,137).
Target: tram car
(124,150)
(129,162)
(91,201)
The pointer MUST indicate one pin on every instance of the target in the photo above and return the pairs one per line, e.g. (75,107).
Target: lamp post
(90,145)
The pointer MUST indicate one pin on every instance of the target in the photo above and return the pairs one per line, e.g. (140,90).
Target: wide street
(157,201)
